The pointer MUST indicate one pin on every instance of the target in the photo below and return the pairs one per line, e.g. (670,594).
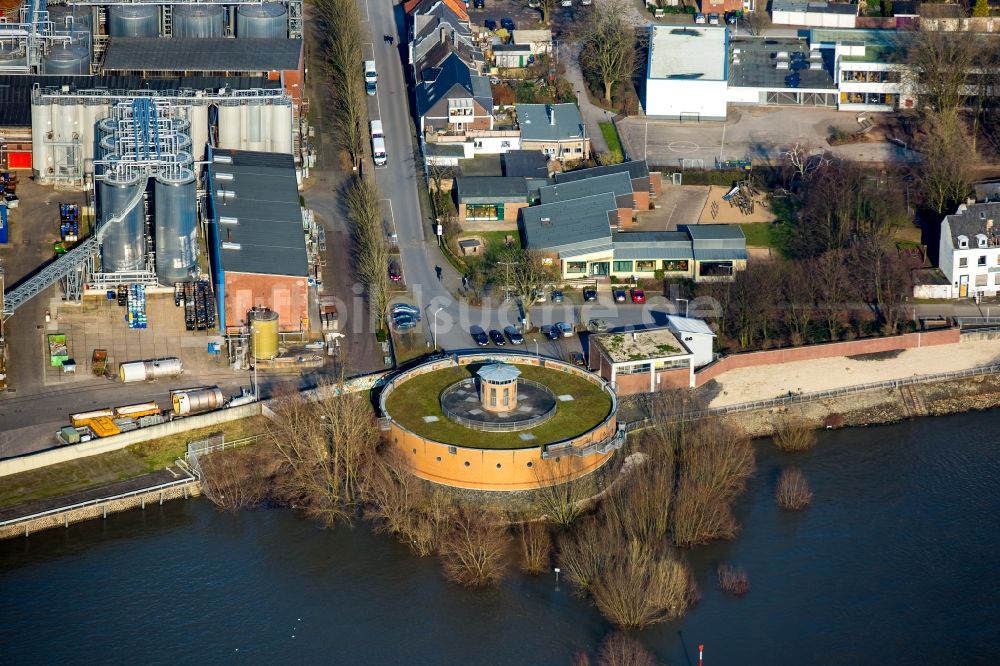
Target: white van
(377,130)
(378,152)
(371,77)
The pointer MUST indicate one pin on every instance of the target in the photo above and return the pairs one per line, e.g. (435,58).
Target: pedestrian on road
(391,40)
(437,270)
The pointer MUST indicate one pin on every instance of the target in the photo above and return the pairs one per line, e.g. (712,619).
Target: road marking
(392,219)
(367,13)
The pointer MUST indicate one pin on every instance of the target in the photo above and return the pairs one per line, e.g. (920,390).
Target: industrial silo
(123,247)
(94,109)
(257,126)
(134,21)
(198,20)
(41,125)
(66,18)
(68,59)
(268,20)
(230,129)
(263,333)
(13,55)
(176,225)
(199,128)
(281,126)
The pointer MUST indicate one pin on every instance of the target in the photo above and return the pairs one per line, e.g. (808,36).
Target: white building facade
(687,71)
(969,252)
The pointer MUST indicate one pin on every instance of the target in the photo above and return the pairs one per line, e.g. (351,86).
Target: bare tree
(525,272)
(799,299)
(582,554)
(546,7)
(236,479)
(793,433)
(940,62)
(371,252)
(757,21)
(834,287)
(344,57)
(943,172)
(618,649)
(536,546)
(700,516)
(733,579)
(608,46)
(718,457)
(473,551)
(792,492)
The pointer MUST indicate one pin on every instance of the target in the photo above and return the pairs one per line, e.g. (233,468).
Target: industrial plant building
(256,239)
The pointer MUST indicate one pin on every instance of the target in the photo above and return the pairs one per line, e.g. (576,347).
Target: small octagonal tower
(498,387)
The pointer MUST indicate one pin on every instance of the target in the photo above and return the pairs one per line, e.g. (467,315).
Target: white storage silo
(199,128)
(229,125)
(41,125)
(256,112)
(281,126)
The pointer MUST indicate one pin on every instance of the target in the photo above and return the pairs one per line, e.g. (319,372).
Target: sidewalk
(592,115)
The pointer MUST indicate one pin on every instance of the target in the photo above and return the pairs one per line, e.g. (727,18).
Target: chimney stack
(552,115)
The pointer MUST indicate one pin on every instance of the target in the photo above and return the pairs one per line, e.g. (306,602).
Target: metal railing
(97,502)
(819,395)
(194,453)
(504,426)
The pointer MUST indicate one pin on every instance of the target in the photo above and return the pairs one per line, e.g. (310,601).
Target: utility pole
(506,286)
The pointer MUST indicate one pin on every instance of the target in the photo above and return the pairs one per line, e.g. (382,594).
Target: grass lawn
(133,461)
(420,397)
(760,234)
(610,133)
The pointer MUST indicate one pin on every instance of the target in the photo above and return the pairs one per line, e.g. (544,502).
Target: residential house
(436,32)
(574,235)
(494,199)
(969,250)
(555,129)
(457,6)
(537,41)
(525,163)
(646,185)
(642,361)
(452,99)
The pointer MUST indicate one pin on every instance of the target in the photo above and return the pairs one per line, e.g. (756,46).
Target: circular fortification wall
(578,437)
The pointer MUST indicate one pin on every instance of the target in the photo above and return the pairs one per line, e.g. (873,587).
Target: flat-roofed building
(687,71)
(642,361)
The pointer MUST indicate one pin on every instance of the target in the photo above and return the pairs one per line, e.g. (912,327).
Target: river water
(894,562)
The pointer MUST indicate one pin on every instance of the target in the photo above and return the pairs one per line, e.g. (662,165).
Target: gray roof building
(582,224)
(636,169)
(717,242)
(490,189)
(550,122)
(188,54)
(647,245)
(976,219)
(618,184)
(452,79)
(527,163)
(256,228)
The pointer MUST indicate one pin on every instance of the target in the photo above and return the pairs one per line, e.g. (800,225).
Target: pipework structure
(30,42)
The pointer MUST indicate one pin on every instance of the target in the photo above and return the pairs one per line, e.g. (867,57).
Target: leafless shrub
(643,584)
(733,579)
(700,516)
(536,545)
(236,479)
(582,554)
(718,457)
(581,658)
(792,492)
(641,505)
(793,433)
(473,551)
(561,503)
(618,649)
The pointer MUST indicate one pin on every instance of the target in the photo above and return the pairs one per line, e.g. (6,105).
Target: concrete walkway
(569,54)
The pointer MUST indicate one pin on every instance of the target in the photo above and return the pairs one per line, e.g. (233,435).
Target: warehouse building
(687,72)
(256,239)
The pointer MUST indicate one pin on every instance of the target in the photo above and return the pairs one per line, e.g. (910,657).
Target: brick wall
(641,200)
(656,183)
(668,379)
(947,336)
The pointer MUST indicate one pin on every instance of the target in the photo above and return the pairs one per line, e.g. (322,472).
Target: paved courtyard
(759,133)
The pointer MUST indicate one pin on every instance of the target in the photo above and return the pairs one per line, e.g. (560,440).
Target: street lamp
(685,305)
(557,570)
(536,348)
(436,326)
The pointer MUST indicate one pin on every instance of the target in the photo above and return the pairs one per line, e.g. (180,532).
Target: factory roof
(550,122)
(189,54)
(642,345)
(686,52)
(635,168)
(257,217)
(569,223)
(15,90)
(753,64)
(618,184)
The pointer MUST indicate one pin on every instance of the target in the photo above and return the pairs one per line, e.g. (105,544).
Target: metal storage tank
(198,20)
(134,21)
(93,111)
(80,18)
(41,125)
(192,401)
(229,125)
(176,226)
(123,247)
(68,59)
(255,129)
(281,126)
(13,54)
(199,129)
(69,112)
(268,20)
(157,368)
(263,333)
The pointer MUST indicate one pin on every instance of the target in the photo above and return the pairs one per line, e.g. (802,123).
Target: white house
(696,336)
(969,253)
(687,72)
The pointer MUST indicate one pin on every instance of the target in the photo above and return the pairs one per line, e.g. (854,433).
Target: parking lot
(526,18)
(759,133)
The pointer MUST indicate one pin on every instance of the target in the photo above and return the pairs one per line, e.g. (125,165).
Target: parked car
(478,4)
(590,294)
(405,308)
(404,323)
(512,335)
(699,18)
(497,337)
(713,19)
(586,3)
(619,295)
(566,3)
(577,358)
(395,273)
(638,296)
(557,296)
(539,295)
(565,329)
(551,332)
(507,24)
(597,326)
(490,24)
(479,336)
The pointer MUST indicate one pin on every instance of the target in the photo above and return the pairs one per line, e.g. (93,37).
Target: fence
(820,395)
(512,425)
(213,445)
(102,506)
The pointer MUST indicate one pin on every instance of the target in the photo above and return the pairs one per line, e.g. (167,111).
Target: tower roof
(499,373)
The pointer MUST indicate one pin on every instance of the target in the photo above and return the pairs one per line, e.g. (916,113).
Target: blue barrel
(4,237)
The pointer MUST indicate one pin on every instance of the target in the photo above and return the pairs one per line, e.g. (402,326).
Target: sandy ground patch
(731,214)
(772,381)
